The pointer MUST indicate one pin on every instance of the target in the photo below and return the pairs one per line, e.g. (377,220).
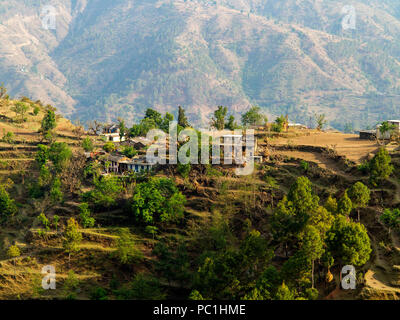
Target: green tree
(279,124)
(44,221)
(127,251)
(154,115)
(87,144)
(122,128)
(182,119)
(105,193)
(321,121)
(72,238)
(231,124)
(20,108)
(380,166)
(109,147)
(48,122)
(60,154)
(386,127)
(360,196)
(56,194)
(143,287)
(331,205)
(391,218)
(129,151)
(158,200)
(84,213)
(166,121)
(218,119)
(284,293)
(71,285)
(348,242)
(13,252)
(42,155)
(7,205)
(345,205)
(313,246)
(253,117)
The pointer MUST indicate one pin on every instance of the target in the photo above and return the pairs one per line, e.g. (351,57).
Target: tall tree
(20,108)
(345,205)
(122,128)
(182,120)
(253,117)
(313,246)
(348,242)
(218,120)
(360,196)
(72,238)
(380,166)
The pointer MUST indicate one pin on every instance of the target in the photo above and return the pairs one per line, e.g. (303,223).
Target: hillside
(215,235)
(109,59)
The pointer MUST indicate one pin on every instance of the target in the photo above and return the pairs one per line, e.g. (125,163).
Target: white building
(388,134)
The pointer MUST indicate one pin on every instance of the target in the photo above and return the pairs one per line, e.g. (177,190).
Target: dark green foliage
(231,124)
(143,287)
(98,293)
(86,220)
(109,147)
(154,115)
(184,169)
(157,201)
(253,117)
(105,193)
(173,265)
(380,166)
(218,119)
(391,218)
(56,194)
(42,155)
(127,251)
(182,119)
(229,274)
(278,125)
(87,144)
(7,205)
(48,122)
(129,151)
(348,242)
(344,205)
(59,154)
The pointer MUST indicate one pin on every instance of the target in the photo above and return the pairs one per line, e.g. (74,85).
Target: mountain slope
(109,59)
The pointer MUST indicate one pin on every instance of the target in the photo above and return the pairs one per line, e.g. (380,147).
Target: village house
(111,133)
(373,134)
(120,164)
(232,143)
(387,135)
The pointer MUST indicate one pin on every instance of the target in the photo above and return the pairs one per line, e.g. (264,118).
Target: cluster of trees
(311,232)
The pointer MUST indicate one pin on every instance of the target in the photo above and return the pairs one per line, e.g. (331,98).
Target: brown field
(348,145)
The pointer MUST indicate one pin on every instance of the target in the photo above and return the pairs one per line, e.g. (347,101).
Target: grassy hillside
(221,238)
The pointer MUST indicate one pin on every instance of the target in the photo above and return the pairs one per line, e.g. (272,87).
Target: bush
(86,220)
(87,144)
(158,200)
(109,147)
